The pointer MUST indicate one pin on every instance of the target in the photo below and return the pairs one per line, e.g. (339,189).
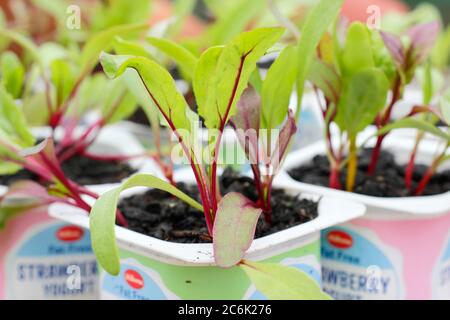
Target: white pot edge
(332,211)
(414,206)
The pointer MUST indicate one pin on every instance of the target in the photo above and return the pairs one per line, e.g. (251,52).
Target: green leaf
(12,121)
(102,41)
(234,68)
(63,78)
(445,106)
(13,73)
(413,123)
(233,22)
(159,84)
(325,77)
(204,78)
(25,43)
(126,47)
(119,104)
(317,22)
(278,282)
(277,88)
(103,217)
(363,97)
(357,54)
(183,57)
(234,229)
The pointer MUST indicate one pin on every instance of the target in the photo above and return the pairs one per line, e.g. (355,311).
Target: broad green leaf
(234,229)
(357,54)
(126,47)
(104,40)
(12,121)
(419,124)
(183,57)
(103,217)
(63,78)
(159,84)
(12,73)
(317,22)
(277,88)
(278,282)
(363,97)
(234,68)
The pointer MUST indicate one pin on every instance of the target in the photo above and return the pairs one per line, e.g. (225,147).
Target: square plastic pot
(45,258)
(156,269)
(399,250)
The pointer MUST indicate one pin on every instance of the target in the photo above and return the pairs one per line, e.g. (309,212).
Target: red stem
(382,122)
(335,181)
(429,174)
(214,191)
(200,182)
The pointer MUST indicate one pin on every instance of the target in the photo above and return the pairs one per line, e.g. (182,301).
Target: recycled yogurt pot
(399,250)
(156,269)
(44,258)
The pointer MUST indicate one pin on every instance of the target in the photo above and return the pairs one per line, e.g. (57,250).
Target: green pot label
(143,278)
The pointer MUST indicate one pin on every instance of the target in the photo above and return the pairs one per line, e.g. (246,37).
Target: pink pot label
(390,258)
(441,275)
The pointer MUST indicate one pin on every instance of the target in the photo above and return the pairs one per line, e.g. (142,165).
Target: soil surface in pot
(82,170)
(389,180)
(159,215)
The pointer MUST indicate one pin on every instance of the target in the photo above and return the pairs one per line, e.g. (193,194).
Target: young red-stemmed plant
(70,89)
(407,53)
(220,78)
(426,124)
(18,151)
(355,88)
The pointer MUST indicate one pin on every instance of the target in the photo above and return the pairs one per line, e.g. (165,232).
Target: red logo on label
(70,233)
(340,239)
(134,279)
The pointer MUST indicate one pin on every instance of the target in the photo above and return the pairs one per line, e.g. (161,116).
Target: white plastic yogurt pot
(399,250)
(155,269)
(45,258)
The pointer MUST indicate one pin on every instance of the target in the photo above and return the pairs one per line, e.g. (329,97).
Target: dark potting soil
(86,171)
(157,214)
(82,170)
(388,181)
